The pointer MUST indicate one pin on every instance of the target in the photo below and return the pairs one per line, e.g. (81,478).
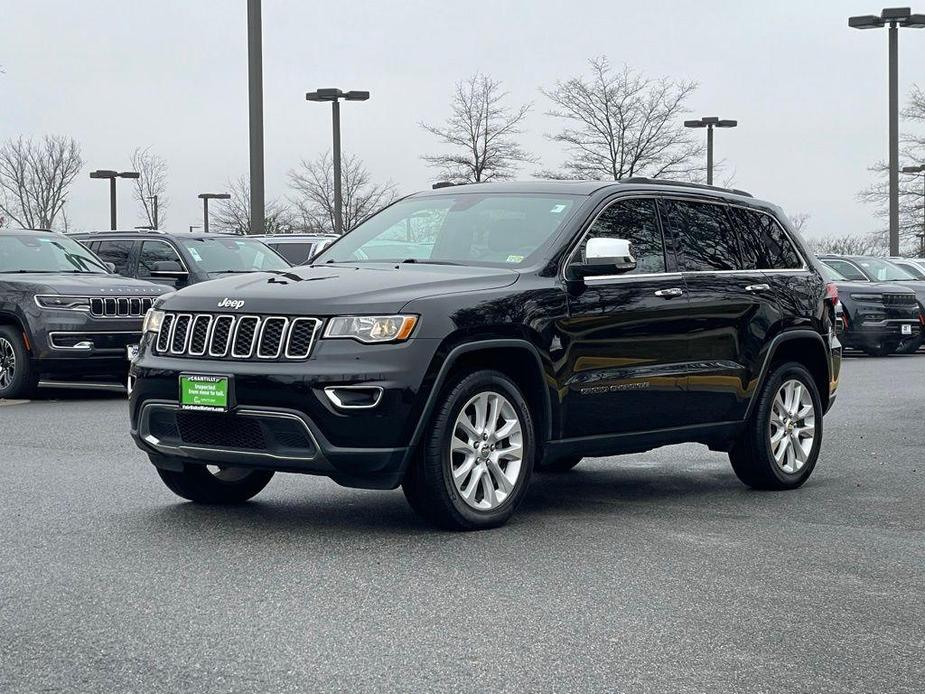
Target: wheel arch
(805,347)
(7,318)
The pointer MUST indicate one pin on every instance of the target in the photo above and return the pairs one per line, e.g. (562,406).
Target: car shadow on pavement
(385,513)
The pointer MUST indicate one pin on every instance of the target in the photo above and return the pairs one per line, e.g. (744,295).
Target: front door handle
(758,287)
(669,293)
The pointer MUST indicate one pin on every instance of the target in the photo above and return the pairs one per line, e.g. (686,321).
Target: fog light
(354,397)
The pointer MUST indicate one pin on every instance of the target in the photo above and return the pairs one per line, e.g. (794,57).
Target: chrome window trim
(253,344)
(336,401)
(173,331)
(311,343)
(192,328)
(282,337)
(228,340)
(607,279)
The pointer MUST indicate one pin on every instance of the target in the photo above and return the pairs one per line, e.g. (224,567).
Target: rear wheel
(780,444)
(474,466)
(214,484)
(17,377)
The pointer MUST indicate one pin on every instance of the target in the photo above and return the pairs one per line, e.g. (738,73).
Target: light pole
(255,114)
(193,226)
(334,96)
(920,169)
(153,199)
(895,17)
(112,176)
(710,122)
(205,197)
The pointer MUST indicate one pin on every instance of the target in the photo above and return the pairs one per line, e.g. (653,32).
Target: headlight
(867,297)
(372,328)
(70,303)
(152,321)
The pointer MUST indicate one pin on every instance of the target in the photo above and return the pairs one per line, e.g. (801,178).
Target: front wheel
(911,346)
(474,466)
(212,484)
(17,377)
(780,444)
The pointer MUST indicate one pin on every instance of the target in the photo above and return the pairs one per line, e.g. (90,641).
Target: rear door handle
(669,293)
(758,288)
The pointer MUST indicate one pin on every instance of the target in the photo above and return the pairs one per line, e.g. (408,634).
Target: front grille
(899,299)
(237,337)
(120,306)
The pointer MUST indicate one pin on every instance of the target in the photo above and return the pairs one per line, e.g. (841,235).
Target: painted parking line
(4,403)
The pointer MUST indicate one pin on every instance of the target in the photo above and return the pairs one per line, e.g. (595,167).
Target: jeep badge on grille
(230,303)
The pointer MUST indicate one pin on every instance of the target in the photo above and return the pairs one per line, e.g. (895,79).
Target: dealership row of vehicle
(73,312)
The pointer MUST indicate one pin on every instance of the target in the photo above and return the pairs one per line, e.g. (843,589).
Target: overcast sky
(809,93)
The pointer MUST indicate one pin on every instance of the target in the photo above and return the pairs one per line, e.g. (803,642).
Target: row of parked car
(110,279)
(71,306)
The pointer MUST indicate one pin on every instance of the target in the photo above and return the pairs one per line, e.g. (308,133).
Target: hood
(917,286)
(338,288)
(848,287)
(80,284)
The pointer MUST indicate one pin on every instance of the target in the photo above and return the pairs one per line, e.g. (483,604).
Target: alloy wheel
(7,363)
(792,426)
(486,451)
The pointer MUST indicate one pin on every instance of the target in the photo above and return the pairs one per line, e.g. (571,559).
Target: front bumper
(279,416)
(874,333)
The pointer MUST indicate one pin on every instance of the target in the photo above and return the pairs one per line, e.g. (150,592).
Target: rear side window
(765,244)
(115,252)
(703,237)
(635,221)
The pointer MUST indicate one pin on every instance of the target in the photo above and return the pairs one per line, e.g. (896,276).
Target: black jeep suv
(180,258)
(548,321)
(63,314)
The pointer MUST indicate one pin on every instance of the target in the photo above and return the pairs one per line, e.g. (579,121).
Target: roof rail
(667,182)
(125,231)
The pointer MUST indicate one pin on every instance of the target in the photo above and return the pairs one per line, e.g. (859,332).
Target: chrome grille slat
(224,336)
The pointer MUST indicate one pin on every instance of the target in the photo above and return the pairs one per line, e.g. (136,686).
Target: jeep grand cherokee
(545,322)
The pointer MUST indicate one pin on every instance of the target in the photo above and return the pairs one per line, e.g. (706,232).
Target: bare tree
(35,177)
(233,216)
(313,185)
(151,183)
(482,131)
(799,220)
(911,194)
(847,244)
(621,124)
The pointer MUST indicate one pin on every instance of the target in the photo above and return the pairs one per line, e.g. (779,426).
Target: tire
(490,480)
(17,377)
(883,349)
(752,457)
(911,346)
(224,487)
(559,464)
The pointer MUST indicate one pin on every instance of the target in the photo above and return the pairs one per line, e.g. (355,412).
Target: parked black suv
(877,316)
(180,258)
(550,321)
(297,249)
(63,315)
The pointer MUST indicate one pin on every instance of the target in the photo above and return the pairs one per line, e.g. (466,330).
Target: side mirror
(111,267)
(604,256)
(168,268)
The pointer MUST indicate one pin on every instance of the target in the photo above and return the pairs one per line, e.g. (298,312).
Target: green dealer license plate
(204,393)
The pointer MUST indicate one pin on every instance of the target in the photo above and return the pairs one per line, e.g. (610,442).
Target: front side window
(296,253)
(459,228)
(846,270)
(153,252)
(51,254)
(224,255)
(115,252)
(704,239)
(765,245)
(635,221)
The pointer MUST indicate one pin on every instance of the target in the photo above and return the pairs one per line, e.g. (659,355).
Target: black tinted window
(295,253)
(704,239)
(765,244)
(154,252)
(637,222)
(115,252)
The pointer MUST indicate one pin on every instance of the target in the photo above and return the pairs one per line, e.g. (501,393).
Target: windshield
(832,274)
(219,255)
(913,270)
(882,270)
(51,253)
(460,229)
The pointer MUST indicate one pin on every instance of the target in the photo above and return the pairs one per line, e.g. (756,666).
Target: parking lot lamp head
(112,176)
(710,122)
(205,197)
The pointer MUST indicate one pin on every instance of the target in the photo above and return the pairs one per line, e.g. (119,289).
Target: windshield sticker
(556,209)
(514,259)
(193,252)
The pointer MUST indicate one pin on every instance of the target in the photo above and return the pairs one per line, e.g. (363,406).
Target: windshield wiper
(428,262)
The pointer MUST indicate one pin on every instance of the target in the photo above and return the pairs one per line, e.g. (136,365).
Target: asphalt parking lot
(655,572)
